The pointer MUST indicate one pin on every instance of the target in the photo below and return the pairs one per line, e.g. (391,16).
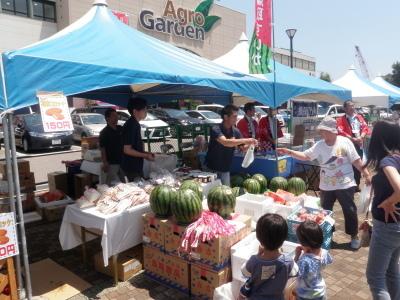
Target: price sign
(8,236)
(55,112)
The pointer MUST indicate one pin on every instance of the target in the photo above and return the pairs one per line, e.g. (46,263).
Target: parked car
(335,111)
(87,124)
(207,116)
(30,135)
(217,108)
(151,127)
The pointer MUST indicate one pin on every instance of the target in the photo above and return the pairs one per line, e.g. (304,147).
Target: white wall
(17,32)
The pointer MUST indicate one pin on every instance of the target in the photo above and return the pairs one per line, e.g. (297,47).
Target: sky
(329,30)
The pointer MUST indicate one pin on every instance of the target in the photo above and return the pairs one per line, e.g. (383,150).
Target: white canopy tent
(364,92)
(386,85)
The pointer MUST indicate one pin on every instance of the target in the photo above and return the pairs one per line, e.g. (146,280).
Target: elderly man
(248,126)
(336,155)
(353,126)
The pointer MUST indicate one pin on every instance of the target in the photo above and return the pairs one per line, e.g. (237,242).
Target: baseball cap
(328,124)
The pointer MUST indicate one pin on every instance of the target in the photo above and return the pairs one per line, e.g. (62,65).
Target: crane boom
(362,63)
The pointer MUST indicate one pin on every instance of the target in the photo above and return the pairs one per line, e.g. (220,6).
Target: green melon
(262,181)
(194,186)
(278,183)
(237,181)
(252,186)
(245,176)
(160,200)
(237,191)
(296,186)
(221,200)
(186,207)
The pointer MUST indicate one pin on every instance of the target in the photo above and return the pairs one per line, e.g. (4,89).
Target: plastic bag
(249,157)
(365,202)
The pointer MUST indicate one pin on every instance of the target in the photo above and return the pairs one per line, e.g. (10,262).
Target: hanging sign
(305,109)
(55,112)
(123,17)
(8,236)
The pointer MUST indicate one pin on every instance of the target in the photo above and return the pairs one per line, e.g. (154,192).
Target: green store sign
(182,22)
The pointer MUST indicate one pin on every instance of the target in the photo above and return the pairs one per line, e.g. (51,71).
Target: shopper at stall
(336,155)
(224,138)
(110,141)
(248,126)
(133,151)
(383,271)
(267,131)
(353,126)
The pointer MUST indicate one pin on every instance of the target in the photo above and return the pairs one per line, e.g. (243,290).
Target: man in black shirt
(133,154)
(111,149)
(224,138)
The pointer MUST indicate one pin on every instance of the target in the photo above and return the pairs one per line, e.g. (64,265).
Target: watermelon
(194,186)
(296,186)
(278,183)
(261,180)
(160,200)
(245,176)
(221,200)
(186,207)
(252,186)
(237,181)
(237,191)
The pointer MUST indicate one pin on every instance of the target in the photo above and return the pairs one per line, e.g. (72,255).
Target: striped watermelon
(194,186)
(186,207)
(236,181)
(296,186)
(237,191)
(160,200)
(221,200)
(252,186)
(262,181)
(245,176)
(278,183)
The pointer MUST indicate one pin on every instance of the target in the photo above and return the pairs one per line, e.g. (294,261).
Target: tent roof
(98,52)
(289,82)
(365,92)
(386,85)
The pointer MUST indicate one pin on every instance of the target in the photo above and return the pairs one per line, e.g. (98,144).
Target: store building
(301,62)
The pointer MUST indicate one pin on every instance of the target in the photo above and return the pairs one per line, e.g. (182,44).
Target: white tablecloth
(120,231)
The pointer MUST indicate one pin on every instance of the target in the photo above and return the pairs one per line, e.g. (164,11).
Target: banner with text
(55,112)
(260,50)
(8,236)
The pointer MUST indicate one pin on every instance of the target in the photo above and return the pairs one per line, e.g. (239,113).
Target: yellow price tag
(282,165)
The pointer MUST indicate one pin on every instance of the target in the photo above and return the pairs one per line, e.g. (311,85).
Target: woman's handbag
(366,226)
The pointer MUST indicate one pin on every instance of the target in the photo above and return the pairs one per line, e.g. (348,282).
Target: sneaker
(355,244)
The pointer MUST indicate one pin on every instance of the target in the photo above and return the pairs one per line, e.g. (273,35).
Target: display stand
(8,282)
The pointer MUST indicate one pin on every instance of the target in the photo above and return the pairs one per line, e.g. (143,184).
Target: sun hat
(328,124)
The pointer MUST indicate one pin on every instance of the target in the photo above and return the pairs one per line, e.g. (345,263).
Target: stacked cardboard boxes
(198,274)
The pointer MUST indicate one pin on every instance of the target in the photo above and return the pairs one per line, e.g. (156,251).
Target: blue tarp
(98,52)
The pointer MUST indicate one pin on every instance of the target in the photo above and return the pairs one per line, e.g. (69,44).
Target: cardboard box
(129,263)
(204,281)
(58,181)
(23,168)
(214,254)
(52,213)
(190,159)
(28,183)
(154,262)
(153,231)
(177,273)
(81,181)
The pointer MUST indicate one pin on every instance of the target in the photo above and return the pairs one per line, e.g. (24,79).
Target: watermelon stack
(237,191)
(221,200)
(237,181)
(296,186)
(278,183)
(262,181)
(160,200)
(186,207)
(194,186)
(252,186)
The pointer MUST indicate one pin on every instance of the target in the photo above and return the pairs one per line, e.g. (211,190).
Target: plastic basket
(327,228)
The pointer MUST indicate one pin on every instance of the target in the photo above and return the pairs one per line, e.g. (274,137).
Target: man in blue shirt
(224,138)
(134,154)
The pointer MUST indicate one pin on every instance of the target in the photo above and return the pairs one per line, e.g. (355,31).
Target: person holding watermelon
(336,156)
(224,138)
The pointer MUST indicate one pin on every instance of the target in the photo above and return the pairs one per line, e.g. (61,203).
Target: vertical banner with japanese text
(261,42)
(55,112)
(8,236)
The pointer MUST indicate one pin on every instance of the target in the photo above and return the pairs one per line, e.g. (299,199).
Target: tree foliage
(325,76)
(394,77)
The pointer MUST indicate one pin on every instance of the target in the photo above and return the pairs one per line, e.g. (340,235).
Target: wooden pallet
(7,278)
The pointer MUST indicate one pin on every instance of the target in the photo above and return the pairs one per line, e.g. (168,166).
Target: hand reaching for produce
(283,151)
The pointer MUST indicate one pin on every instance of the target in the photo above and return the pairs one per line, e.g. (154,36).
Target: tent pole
(6,130)
(20,211)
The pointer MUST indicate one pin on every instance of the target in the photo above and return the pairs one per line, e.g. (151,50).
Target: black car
(30,135)
(174,117)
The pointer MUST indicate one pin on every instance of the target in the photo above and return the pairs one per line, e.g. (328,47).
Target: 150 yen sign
(55,112)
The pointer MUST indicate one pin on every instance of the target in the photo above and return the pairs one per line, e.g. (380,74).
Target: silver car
(87,124)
